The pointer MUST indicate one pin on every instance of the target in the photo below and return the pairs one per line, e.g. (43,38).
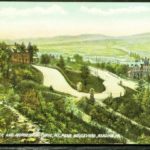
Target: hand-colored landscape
(86,88)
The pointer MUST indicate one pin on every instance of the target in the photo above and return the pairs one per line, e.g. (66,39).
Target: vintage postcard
(74,73)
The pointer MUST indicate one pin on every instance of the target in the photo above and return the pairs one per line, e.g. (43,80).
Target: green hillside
(91,44)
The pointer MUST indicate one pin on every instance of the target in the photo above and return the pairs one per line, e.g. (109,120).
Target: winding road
(52,77)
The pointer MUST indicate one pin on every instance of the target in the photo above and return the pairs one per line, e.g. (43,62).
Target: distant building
(140,71)
(20,57)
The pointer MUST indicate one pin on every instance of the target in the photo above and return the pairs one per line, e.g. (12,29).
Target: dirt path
(22,119)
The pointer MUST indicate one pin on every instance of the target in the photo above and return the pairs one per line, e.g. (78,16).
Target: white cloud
(113,11)
(11,11)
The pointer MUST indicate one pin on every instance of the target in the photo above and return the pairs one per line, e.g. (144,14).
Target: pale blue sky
(47,19)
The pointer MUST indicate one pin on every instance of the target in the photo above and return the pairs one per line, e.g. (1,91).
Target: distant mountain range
(78,38)
(62,39)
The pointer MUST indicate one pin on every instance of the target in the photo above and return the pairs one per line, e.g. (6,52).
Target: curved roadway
(52,77)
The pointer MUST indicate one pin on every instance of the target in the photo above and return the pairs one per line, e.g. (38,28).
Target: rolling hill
(92,44)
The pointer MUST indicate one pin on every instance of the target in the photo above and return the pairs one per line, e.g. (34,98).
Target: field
(92,44)
(83,47)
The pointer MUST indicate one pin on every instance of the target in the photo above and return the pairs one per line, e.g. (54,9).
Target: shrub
(27,84)
(79,86)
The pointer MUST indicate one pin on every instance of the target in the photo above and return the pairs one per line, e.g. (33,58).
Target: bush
(25,72)
(45,59)
(118,69)
(79,86)
(26,85)
(51,88)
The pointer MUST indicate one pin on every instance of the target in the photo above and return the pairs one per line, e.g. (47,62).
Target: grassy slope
(56,118)
(139,42)
(93,82)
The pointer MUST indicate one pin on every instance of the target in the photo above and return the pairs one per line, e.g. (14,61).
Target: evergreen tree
(85,74)
(141,85)
(32,49)
(22,47)
(78,58)
(92,99)
(5,58)
(61,63)
(146,100)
